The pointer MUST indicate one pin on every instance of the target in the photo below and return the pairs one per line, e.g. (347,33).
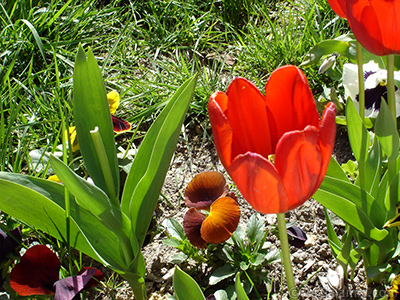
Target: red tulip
(339,7)
(375,23)
(274,147)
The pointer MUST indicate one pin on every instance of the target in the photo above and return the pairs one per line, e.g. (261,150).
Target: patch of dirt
(312,264)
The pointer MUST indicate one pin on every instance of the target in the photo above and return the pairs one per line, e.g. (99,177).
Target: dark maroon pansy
(120,125)
(37,273)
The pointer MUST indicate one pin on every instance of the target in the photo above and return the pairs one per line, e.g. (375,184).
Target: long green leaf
(40,203)
(344,199)
(147,174)
(240,292)
(185,287)
(386,131)
(358,134)
(91,110)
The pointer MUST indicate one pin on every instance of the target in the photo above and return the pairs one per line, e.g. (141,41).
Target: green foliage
(93,211)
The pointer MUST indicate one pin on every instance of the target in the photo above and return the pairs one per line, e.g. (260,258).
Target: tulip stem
(283,237)
(361,93)
(390,85)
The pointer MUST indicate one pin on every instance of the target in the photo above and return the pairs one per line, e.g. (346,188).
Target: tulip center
(271,158)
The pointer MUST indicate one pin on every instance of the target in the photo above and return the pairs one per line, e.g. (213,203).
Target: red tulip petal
(259,183)
(204,189)
(192,221)
(339,7)
(96,277)
(36,272)
(69,287)
(375,25)
(222,221)
(222,130)
(120,125)
(247,115)
(290,102)
(327,133)
(299,161)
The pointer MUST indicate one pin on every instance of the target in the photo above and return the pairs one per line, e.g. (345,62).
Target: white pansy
(374,84)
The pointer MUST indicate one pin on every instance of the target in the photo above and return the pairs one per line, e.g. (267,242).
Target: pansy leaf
(146,177)
(91,110)
(255,229)
(185,287)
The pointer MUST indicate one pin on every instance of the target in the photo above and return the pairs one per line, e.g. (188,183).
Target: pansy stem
(283,237)
(361,93)
(390,85)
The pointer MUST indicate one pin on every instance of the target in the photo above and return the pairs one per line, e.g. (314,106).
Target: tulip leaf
(240,292)
(91,110)
(386,131)
(87,195)
(372,170)
(40,203)
(185,287)
(354,206)
(358,135)
(146,177)
(333,239)
(325,48)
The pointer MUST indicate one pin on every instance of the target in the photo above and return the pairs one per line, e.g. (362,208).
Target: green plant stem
(390,85)
(361,93)
(283,237)
(105,166)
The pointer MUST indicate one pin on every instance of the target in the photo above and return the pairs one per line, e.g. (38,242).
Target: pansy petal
(9,242)
(96,277)
(204,189)
(36,272)
(299,161)
(192,221)
(247,114)
(113,101)
(290,102)
(221,222)
(120,125)
(259,183)
(69,287)
(222,130)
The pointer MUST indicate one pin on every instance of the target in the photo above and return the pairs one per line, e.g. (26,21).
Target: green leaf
(222,273)
(386,131)
(91,110)
(146,177)
(372,169)
(325,48)
(185,287)
(358,134)
(354,206)
(40,203)
(175,229)
(241,294)
(333,239)
(89,197)
(255,229)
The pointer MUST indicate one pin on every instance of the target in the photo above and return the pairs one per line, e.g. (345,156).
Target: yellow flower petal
(54,178)
(113,101)
(221,222)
